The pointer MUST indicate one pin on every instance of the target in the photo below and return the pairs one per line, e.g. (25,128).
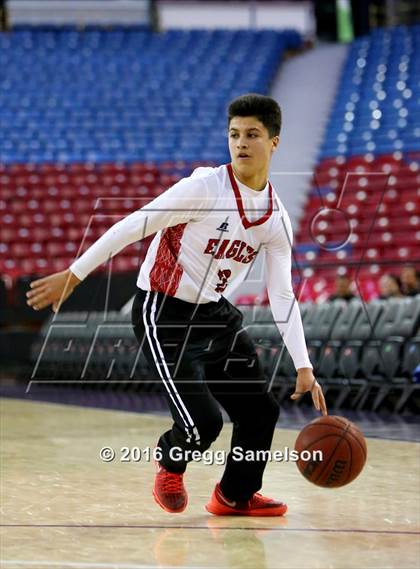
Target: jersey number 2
(224,277)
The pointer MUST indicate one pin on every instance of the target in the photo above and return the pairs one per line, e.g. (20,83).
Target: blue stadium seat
(378,91)
(127,94)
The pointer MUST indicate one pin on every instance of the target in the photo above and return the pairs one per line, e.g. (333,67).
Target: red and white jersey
(209,229)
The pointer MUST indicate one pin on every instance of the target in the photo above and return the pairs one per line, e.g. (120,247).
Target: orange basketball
(342,449)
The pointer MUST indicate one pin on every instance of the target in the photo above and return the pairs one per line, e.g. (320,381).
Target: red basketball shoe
(258,505)
(169,490)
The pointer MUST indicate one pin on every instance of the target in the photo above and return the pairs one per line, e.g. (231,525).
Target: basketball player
(209,229)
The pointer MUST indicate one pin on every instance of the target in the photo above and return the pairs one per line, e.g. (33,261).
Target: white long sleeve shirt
(209,229)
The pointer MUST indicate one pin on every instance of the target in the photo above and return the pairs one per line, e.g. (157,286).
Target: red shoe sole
(263,513)
(171,511)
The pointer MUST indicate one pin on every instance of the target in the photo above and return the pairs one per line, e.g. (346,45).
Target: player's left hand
(306,381)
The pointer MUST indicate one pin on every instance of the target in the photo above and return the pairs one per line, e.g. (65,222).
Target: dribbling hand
(306,381)
(51,290)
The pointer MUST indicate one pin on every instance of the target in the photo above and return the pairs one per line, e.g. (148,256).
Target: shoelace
(172,483)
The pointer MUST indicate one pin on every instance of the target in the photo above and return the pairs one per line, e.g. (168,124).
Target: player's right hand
(306,381)
(51,290)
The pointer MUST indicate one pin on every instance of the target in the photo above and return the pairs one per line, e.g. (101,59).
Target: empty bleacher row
(50,213)
(128,94)
(361,212)
(356,347)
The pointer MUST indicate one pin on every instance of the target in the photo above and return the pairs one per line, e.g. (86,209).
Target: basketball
(342,447)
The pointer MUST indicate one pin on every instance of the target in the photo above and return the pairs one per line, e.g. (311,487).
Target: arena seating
(52,179)
(361,348)
(76,156)
(49,212)
(376,107)
(363,212)
(127,95)
(363,216)
(96,123)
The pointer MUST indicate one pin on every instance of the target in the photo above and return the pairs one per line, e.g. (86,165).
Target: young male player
(209,229)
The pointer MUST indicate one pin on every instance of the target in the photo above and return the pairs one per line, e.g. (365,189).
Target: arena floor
(62,506)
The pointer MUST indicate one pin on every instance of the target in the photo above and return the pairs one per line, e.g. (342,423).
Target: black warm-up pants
(204,358)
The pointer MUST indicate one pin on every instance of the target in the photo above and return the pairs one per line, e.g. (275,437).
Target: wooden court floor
(62,507)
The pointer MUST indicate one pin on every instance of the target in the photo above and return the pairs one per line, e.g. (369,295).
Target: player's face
(250,145)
